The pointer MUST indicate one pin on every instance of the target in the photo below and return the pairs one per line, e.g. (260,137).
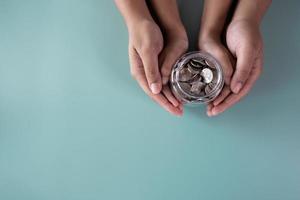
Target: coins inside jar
(196,77)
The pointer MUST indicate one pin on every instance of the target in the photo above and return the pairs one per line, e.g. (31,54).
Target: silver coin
(192,69)
(197,78)
(197,87)
(185,87)
(212,85)
(196,65)
(199,61)
(207,89)
(207,75)
(210,64)
(185,74)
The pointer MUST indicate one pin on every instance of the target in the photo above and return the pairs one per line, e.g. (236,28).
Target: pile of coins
(196,78)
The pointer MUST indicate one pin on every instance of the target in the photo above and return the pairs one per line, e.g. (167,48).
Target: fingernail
(215,103)
(237,88)
(165,80)
(208,113)
(175,103)
(214,113)
(180,107)
(155,88)
(178,114)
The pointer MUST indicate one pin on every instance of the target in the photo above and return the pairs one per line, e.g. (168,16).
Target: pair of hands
(152,56)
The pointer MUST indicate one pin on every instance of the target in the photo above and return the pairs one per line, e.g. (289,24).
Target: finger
(138,73)
(208,109)
(169,56)
(150,62)
(245,61)
(158,98)
(168,94)
(225,92)
(134,61)
(180,107)
(234,98)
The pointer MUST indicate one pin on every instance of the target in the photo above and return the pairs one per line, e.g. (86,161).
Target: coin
(207,75)
(199,61)
(212,85)
(185,86)
(209,63)
(185,74)
(192,69)
(207,89)
(197,87)
(195,64)
(197,78)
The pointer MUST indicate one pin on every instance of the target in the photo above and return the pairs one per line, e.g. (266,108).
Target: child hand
(214,46)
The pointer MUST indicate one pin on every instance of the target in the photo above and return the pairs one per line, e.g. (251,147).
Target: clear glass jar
(196,78)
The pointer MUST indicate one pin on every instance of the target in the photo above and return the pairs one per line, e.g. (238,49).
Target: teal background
(74,125)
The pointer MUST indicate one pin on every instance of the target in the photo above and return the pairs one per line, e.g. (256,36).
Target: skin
(176,41)
(153,50)
(151,54)
(212,25)
(245,48)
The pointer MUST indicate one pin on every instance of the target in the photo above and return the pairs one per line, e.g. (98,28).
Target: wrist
(253,21)
(175,31)
(251,11)
(208,36)
(133,11)
(136,22)
(245,22)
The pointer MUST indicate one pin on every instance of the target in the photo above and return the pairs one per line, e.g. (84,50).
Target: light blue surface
(74,125)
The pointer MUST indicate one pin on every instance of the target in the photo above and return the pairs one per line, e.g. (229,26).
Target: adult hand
(245,43)
(146,48)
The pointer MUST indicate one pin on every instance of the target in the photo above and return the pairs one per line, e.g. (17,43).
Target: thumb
(150,62)
(245,59)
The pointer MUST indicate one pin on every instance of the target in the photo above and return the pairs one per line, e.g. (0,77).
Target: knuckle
(157,45)
(150,47)
(147,49)
(243,73)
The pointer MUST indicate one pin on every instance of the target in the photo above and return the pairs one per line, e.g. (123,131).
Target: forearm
(213,18)
(133,11)
(252,10)
(168,15)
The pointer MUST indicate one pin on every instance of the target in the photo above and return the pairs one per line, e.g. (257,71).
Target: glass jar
(196,78)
